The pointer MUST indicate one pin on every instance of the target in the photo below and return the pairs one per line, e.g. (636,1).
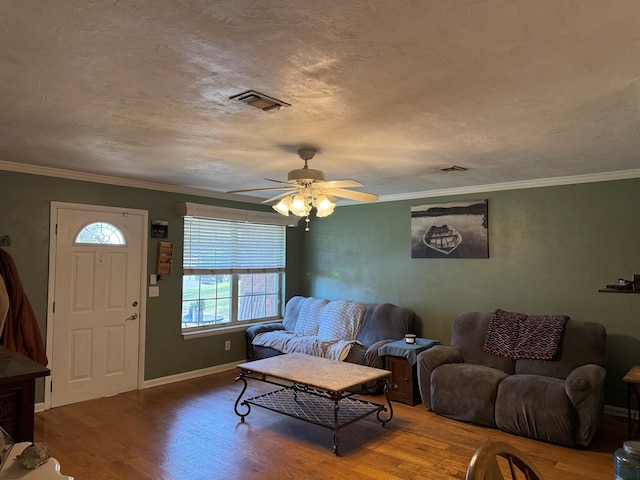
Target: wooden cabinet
(404,376)
(17,391)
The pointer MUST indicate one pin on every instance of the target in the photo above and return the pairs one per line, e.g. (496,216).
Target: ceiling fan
(306,189)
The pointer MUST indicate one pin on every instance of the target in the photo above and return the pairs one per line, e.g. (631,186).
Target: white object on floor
(12,469)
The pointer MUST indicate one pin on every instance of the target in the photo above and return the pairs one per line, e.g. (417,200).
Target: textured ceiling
(388,91)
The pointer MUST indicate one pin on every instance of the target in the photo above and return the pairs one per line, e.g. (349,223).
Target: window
(232,273)
(100,233)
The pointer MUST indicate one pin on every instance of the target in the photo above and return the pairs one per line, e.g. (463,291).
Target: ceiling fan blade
(340,184)
(277,181)
(279,196)
(261,189)
(351,195)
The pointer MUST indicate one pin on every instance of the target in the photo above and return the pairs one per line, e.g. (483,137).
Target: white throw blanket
(289,342)
(325,329)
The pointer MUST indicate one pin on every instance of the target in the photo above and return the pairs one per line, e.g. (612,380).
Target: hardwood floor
(188,430)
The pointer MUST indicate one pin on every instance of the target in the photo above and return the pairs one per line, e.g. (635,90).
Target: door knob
(132,317)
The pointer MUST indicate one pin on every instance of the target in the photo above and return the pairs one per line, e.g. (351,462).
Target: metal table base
(332,410)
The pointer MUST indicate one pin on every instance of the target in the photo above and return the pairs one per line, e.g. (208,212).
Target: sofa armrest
(254,330)
(428,361)
(373,359)
(585,388)
(583,381)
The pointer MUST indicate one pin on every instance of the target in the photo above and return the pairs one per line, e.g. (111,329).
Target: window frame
(212,213)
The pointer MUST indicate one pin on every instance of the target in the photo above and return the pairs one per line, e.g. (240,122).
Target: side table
(11,469)
(632,379)
(401,360)
(17,393)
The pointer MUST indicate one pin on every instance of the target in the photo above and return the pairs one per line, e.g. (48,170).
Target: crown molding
(163,187)
(496,187)
(121,182)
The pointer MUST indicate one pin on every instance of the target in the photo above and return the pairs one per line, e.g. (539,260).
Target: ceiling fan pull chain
(306,228)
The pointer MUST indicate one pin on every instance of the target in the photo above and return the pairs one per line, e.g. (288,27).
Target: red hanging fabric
(21,331)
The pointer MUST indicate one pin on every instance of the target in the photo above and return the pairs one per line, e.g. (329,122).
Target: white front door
(97,302)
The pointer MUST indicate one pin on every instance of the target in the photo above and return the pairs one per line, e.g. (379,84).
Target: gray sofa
(379,324)
(558,401)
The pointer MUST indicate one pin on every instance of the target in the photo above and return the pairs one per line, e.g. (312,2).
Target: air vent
(260,100)
(453,168)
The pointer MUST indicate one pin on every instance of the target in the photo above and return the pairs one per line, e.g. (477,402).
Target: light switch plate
(154,291)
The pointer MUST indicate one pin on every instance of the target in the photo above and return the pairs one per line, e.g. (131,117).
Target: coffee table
(314,389)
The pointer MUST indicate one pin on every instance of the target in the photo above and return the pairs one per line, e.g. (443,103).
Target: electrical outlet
(227,345)
(154,291)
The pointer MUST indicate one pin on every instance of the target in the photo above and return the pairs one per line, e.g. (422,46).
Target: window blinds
(222,246)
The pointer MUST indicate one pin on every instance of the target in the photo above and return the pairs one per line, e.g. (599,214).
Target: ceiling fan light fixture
(325,211)
(323,202)
(299,206)
(282,207)
(306,188)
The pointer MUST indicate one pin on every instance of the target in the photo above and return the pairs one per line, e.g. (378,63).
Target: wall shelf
(613,290)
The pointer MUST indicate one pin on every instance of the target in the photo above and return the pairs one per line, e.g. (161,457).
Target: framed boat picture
(450,230)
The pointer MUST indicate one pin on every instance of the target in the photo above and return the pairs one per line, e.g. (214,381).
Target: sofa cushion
(340,320)
(582,343)
(536,406)
(291,312)
(309,316)
(468,334)
(384,321)
(473,403)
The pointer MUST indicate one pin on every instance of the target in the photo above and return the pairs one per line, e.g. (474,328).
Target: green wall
(550,251)
(25,215)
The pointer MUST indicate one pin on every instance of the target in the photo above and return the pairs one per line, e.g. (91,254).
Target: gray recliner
(559,400)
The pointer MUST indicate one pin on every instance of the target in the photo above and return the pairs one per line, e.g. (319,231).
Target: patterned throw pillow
(340,320)
(309,316)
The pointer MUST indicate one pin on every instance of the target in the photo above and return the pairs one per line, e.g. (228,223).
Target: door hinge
(51,388)
(54,307)
(56,229)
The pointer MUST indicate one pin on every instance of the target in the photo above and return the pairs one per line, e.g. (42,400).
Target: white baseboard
(188,375)
(40,407)
(615,411)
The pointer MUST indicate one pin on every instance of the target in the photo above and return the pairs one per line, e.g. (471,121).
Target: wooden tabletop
(16,368)
(633,375)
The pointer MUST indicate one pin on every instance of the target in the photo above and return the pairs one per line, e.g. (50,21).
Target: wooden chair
(484,464)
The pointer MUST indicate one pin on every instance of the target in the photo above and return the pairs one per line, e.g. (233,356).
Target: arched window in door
(100,233)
